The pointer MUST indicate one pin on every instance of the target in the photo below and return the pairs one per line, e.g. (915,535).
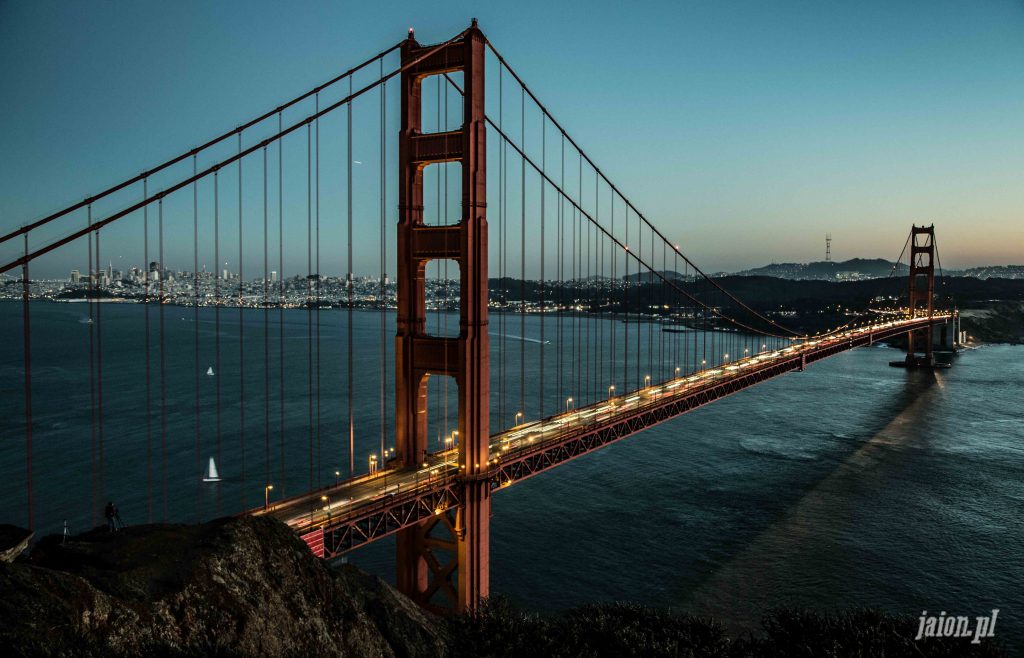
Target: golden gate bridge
(639,333)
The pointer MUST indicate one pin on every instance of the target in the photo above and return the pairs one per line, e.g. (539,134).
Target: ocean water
(850,484)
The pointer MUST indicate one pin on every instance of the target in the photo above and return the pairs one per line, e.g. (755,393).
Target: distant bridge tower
(443,563)
(828,247)
(922,291)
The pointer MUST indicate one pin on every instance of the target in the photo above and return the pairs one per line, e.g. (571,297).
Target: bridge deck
(339,518)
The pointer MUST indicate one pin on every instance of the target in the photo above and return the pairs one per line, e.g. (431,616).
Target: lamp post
(388,452)
(568,401)
(373,464)
(448,442)
(516,421)
(677,372)
(647,381)
(266,497)
(611,392)
(337,477)
(327,506)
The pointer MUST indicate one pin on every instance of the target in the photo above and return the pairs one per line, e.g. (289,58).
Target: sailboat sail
(211,472)
(209,371)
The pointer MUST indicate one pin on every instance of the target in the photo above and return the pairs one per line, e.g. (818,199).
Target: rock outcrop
(243,586)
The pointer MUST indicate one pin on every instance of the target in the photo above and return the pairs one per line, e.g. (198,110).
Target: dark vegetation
(628,631)
(249,587)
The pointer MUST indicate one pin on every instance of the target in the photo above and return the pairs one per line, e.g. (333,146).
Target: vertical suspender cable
(99,378)
(599,362)
(383,266)
(661,314)
(349,285)
(626,284)
(522,256)
(543,237)
(195,338)
(437,267)
(241,328)
(613,297)
(216,314)
(280,306)
(92,382)
(319,453)
(309,295)
(163,361)
(577,288)
(641,290)
(501,243)
(145,311)
(27,348)
(446,304)
(266,334)
(652,291)
(561,276)
(575,297)
(591,369)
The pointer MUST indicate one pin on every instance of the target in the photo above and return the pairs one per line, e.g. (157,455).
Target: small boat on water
(209,373)
(211,472)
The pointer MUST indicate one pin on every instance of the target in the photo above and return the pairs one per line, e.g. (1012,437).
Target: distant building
(76,276)
(273,276)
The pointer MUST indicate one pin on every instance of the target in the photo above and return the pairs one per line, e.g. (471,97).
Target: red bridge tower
(922,294)
(443,562)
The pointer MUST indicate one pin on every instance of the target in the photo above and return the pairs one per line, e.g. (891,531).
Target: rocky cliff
(229,587)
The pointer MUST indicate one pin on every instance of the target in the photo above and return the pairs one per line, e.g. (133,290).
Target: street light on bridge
(327,506)
(568,401)
(266,496)
(519,414)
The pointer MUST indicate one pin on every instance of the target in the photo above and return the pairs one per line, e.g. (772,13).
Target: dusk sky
(745,130)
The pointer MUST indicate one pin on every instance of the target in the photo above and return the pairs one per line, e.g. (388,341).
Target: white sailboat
(211,472)
(209,371)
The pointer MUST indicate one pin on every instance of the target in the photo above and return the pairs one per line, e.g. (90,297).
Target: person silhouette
(110,512)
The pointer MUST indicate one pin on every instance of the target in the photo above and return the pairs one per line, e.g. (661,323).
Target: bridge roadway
(354,512)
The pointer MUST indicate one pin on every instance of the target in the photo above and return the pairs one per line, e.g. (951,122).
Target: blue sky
(745,130)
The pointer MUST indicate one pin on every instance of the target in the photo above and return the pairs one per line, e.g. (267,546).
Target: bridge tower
(443,563)
(922,294)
